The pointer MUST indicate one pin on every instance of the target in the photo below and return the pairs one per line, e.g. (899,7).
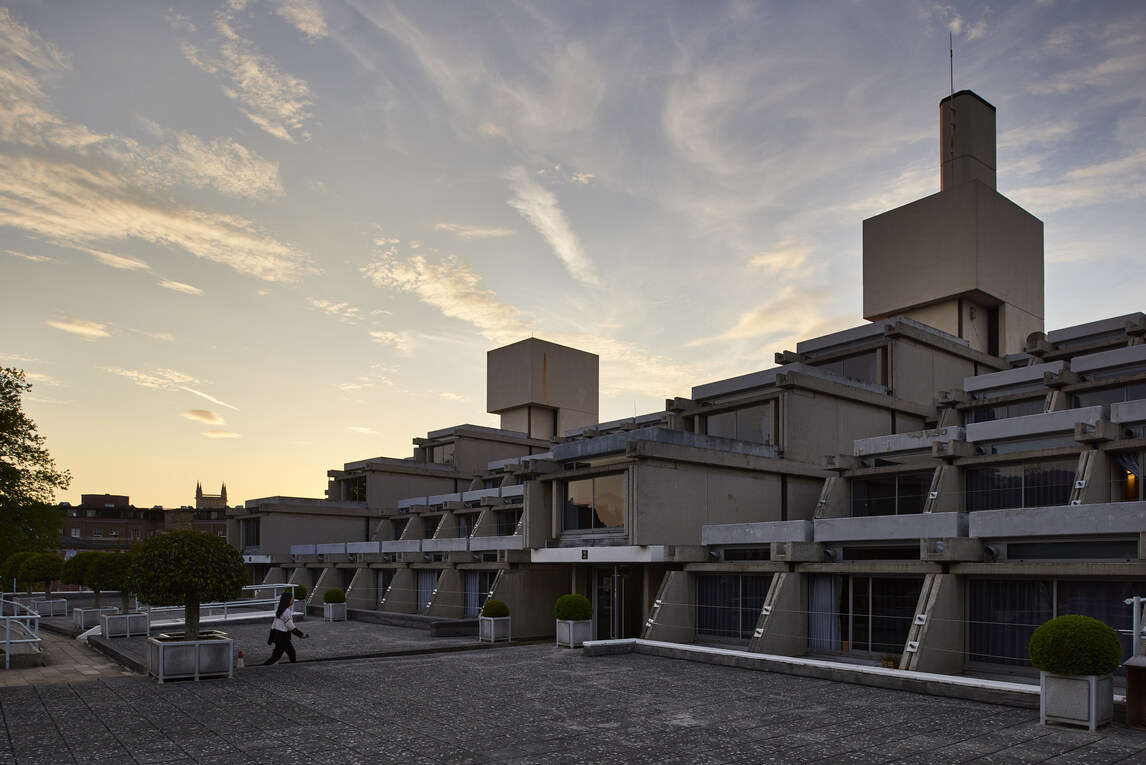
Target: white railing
(223,608)
(21,627)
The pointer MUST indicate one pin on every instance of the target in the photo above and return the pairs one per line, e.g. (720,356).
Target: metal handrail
(228,605)
(27,623)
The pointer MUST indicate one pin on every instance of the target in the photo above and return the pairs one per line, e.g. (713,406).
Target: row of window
(1037,483)
(873,615)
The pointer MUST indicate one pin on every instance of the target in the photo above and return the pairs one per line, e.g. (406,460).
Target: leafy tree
(185,568)
(29,478)
(76,568)
(11,567)
(112,571)
(41,567)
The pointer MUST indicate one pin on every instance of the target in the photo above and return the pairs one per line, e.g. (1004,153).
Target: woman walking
(282,628)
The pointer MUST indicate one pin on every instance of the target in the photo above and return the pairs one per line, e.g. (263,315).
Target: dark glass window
(728,605)
(443,454)
(862,366)
(354,489)
(507,521)
(429,526)
(1108,396)
(595,503)
(250,532)
(1004,411)
(752,423)
(902,494)
(1031,484)
(1003,614)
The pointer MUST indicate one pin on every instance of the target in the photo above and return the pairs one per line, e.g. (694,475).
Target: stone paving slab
(328,641)
(521,705)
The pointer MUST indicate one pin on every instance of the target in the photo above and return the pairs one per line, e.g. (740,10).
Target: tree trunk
(95,599)
(47,589)
(191,617)
(124,598)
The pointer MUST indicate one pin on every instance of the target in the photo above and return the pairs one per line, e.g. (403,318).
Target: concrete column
(403,595)
(673,615)
(782,629)
(448,601)
(939,638)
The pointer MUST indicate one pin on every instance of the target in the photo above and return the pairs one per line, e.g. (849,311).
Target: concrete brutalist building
(932,485)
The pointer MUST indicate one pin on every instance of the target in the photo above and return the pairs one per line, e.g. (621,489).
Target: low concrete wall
(973,689)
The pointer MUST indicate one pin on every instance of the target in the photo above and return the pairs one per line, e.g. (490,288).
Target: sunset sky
(252,241)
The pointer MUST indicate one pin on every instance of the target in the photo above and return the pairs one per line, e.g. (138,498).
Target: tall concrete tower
(967,260)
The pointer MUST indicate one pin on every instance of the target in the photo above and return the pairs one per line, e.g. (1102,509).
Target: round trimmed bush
(573,608)
(41,567)
(334,595)
(494,609)
(1075,645)
(300,592)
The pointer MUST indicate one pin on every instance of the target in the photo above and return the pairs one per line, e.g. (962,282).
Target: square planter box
(86,618)
(125,625)
(170,657)
(572,634)
(491,629)
(1086,700)
(334,612)
(53,607)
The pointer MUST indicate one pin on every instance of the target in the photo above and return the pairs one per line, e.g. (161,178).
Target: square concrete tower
(967,260)
(541,388)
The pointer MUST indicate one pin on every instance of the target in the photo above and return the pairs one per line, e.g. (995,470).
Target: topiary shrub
(300,592)
(111,571)
(494,609)
(1075,645)
(334,595)
(11,568)
(573,608)
(41,567)
(76,568)
(186,568)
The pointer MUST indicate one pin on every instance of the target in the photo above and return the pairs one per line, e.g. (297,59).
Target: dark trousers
(282,646)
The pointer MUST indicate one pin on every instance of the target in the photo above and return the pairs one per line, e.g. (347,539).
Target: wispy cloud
(89,330)
(182,158)
(303,15)
(64,202)
(118,261)
(166,380)
(166,337)
(361,430)
(186,289)
(453,288)
(27,256)
(788,314)
(475,232)
(344,311)
(221,434)
(276,101)
(203,415)
(539,206)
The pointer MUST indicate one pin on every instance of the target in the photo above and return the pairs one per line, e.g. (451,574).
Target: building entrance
(615,600)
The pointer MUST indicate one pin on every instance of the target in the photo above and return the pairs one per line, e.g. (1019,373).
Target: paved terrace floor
(518,704)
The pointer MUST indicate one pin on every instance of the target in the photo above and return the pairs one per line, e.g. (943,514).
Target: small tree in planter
(11,568)
(1076,656)
(493,622)
(184,568)
(574,614)
(334,605)
(41,567)
(112,571)
(300,592)
(76,568)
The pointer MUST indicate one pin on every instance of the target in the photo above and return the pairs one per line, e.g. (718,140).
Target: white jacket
(284,626)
